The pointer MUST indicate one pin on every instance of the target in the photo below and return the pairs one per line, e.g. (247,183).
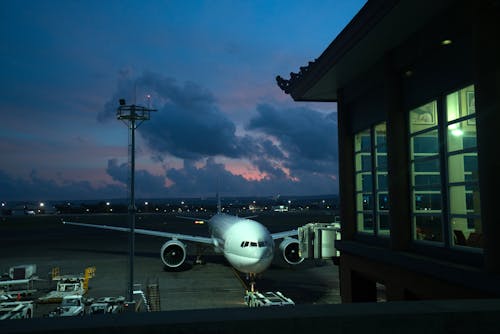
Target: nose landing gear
(251,277)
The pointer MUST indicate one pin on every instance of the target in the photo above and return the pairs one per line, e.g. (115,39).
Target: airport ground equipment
(71,306)
(139,301)
(153,296)
(16,310)
(18,288)
(317,240)
(66,286)
(18,282)
(257,299)
(24,271)
(106,305)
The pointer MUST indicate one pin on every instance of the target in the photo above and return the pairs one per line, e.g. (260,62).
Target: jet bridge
(317,240)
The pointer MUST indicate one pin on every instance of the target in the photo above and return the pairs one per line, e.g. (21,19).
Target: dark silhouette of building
(417,86)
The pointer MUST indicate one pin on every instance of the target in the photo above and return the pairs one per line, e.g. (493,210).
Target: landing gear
(199,256)
(251,277)
(199,259)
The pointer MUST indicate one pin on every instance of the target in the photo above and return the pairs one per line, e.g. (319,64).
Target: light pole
(133,116)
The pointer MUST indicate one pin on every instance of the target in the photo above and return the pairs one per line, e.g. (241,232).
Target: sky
(208,67)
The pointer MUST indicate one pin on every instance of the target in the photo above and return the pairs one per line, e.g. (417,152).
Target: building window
(425,173)
(444,174)
(372,196)
(463,178)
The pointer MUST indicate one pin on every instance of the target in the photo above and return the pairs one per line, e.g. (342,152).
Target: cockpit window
(253,244)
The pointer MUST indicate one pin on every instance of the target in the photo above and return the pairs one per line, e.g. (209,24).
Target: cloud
(188,124)
(36,188)
(302,131)
(296,148)
(147,185)
(213,177)
(308,137)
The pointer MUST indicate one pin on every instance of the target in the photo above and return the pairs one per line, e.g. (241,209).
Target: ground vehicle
(71,305)
(107,305)
(16,310)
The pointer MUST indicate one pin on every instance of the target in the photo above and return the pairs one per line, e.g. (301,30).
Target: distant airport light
(42,204)
(146,203)
(108,204)
(3,204)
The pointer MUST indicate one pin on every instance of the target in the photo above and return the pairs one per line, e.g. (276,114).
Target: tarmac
(46,242)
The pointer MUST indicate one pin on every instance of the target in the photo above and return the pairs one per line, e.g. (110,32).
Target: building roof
(377,28)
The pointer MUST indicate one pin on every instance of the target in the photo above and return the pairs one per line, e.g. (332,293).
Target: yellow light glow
(446,42)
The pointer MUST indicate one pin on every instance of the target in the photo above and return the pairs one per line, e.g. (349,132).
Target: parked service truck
(16,310)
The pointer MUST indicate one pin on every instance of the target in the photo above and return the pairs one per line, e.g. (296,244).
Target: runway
(46,242)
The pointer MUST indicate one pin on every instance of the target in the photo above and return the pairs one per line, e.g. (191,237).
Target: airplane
(246,244)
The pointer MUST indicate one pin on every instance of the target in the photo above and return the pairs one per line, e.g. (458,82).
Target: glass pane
(380,138)
(367,182)
(462,167)
(382,163)
(367,202)
(460,104)
(365,222)
(462,135)
(470,163)
(428,227)
(382,182)
(427,201)
(384,225)
(427,143)
(383,201)
(362,142)
(426,165)
(366,162)
(428,181)
(458,203)
(423,117)
(368,222)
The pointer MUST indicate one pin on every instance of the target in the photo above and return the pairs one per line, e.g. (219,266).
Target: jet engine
(290,249)
(173,253)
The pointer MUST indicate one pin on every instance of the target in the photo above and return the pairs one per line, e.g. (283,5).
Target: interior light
(446,42)
(457,132)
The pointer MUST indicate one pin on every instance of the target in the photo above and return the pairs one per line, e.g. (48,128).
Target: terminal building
(417,87)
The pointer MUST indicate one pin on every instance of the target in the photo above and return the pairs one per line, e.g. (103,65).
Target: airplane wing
(192,238)
(193,218)
(284,234)
(249,217)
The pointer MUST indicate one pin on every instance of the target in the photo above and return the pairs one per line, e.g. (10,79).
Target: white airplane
(246,244)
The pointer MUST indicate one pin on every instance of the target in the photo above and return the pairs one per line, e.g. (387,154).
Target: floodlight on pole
(133,116)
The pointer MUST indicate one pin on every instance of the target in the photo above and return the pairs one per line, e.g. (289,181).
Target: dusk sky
(210,66)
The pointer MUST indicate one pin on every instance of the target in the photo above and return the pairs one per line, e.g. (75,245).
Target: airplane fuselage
(246,244)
